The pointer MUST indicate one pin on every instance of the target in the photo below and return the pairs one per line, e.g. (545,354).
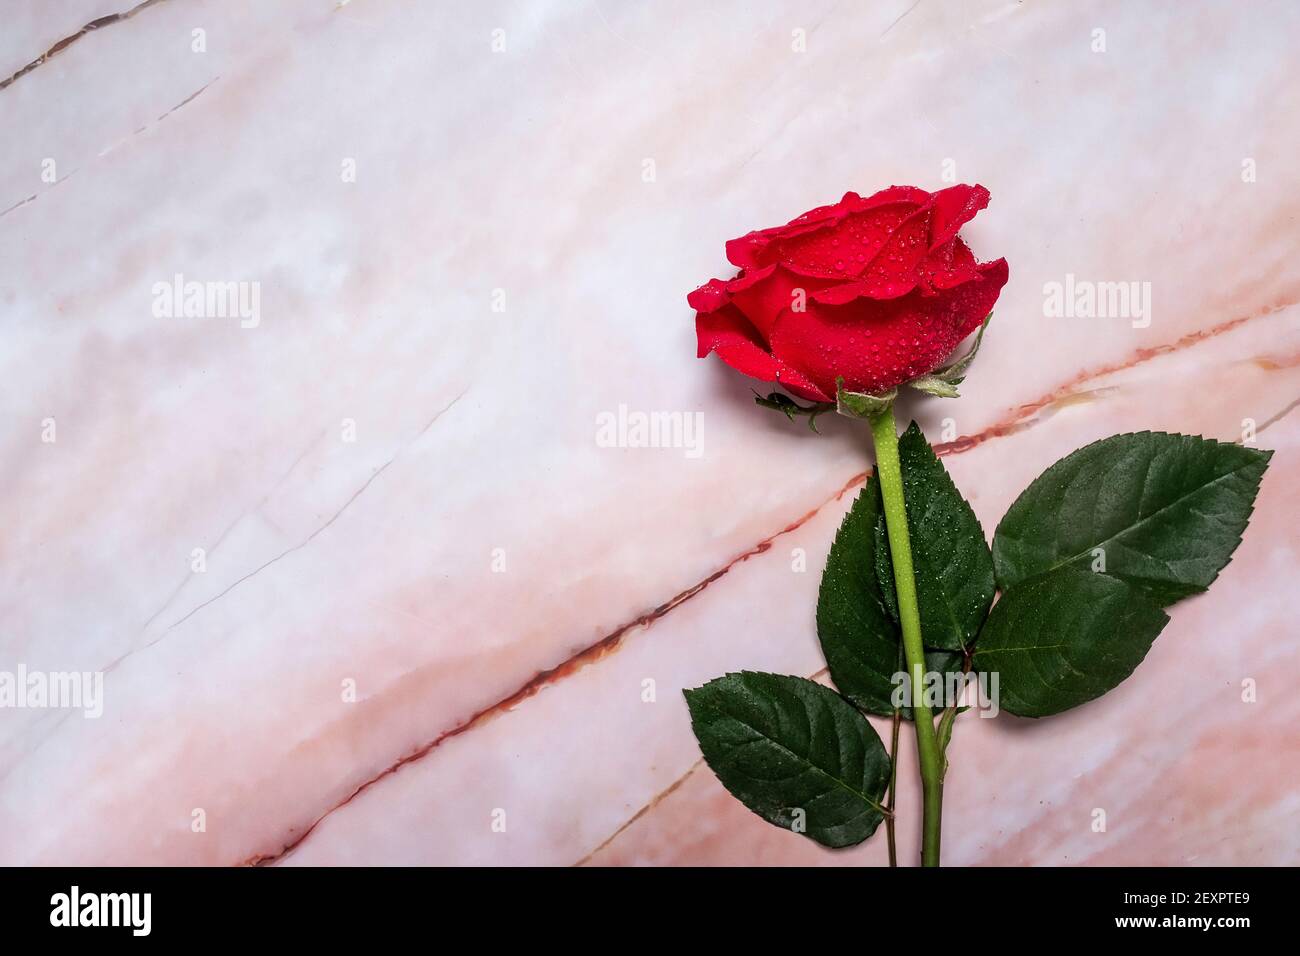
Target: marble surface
(431,596)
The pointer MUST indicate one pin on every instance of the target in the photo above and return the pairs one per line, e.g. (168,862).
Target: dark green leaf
(1163,512)
(950,558)
(884,564)
(1064,639)
(859,634)
(794,752)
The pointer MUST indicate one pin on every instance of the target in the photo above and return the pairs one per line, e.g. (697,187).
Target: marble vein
(96,24)
(311,537)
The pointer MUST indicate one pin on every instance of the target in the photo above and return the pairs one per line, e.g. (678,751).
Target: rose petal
(709,297)
(855,244)
(975,300)
(872,288)
(763,294)
(892,269)
(805,245)
(960,266)
(953,208)
(878,344)
(737,343)
(746,252)
(795,381)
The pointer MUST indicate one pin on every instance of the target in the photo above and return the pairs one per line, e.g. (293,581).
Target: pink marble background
(450,620)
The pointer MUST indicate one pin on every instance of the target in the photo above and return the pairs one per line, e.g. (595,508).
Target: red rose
(877,291)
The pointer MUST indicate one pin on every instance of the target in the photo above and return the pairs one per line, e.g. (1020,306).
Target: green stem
(889,473)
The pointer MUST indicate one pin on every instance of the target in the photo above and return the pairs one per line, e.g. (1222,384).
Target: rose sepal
(861,404)
(788,407)
(934,385)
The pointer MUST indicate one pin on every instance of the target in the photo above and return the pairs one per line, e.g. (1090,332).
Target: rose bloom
(876,291)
